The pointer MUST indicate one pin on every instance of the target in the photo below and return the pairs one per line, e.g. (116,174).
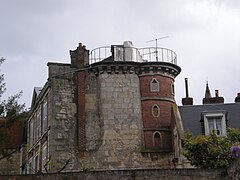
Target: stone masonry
(100,114)
(62,135)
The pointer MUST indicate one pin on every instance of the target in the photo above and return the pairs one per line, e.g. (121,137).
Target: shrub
(211,151)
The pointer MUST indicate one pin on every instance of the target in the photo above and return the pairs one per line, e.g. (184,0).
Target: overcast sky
(205,34)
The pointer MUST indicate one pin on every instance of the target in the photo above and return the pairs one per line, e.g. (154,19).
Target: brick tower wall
(163,97)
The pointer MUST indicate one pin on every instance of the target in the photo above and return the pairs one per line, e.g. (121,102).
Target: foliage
(10,110)
(210,151)
(2,84)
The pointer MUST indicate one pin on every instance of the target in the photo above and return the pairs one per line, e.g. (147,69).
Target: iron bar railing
(148,54)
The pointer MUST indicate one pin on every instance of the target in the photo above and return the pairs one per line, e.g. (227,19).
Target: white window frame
(158,108)
(29,170)
(210,115)
(45,116)
(31,133)
(154,86)
(38,122)
(44,155)
(173,89)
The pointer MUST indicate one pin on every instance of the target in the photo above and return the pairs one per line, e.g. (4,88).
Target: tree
(2,84)
(11,111)
(211,151)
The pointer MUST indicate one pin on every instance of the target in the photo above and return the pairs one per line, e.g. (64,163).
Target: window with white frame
(38,123)
(36,168)
(155,110)
(30,166)
(157,140)
(172,89)
(215,122)
(154,85)
(45,118)
(44,156)
(30,133)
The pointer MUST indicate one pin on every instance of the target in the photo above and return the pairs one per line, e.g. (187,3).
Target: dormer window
(215,122)
(154,85)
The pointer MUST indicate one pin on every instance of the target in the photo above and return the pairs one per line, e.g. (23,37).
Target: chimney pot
(186,87)
(216,93)
(187,100)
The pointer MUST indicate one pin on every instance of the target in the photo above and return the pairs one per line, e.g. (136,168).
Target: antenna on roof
(156,40)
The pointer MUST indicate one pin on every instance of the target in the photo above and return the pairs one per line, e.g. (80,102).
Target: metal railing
(148,54)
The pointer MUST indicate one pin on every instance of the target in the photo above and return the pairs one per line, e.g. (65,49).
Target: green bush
(210,151)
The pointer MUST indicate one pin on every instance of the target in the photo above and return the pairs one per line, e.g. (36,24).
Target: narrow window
(157,140)
(44,156)
(38,123)
(30,133)
(30,166)
(154,85)
(36,164)
(172,89)
(45,118)
(155,110)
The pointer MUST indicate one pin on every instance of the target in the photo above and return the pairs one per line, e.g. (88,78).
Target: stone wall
(10,164)
(117,141)
(153,174)
(62,133)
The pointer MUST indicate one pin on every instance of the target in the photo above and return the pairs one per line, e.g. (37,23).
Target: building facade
(213,116)
(111,108)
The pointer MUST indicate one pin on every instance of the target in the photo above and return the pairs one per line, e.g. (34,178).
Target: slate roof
(191,115)
(36,92)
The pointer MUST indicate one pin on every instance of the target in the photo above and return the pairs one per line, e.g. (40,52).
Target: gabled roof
(36,92)
(191,115)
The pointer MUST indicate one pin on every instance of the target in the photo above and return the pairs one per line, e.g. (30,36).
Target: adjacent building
(213,116)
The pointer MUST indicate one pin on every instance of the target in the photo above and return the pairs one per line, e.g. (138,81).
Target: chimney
(187,100)
(237,99)
(212,100)
(216,93)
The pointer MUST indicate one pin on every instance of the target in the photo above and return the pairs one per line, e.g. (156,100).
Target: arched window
(155,110)
(154,85)
(157,140)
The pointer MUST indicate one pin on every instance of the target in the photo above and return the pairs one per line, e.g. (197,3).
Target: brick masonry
(163,99)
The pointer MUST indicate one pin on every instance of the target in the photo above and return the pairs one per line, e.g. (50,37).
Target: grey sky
(204,34)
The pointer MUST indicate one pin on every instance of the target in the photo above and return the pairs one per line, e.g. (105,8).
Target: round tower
(157,96)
